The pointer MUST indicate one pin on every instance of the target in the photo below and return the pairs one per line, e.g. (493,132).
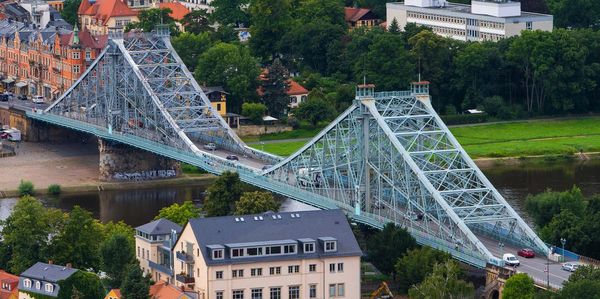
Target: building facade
(153,243)
(218,98)
(311,254)
(103,16)
(43,61)
(9,288)
(42,279)
(360,17)
(484,20)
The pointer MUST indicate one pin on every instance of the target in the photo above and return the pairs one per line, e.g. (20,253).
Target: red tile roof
(178,10)
(12,281)
(162,290)
(354,14)
(295,89)
(105,9)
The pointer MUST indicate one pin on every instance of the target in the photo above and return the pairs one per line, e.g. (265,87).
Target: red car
(526,253)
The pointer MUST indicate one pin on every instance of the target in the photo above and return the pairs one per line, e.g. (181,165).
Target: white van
(38,99)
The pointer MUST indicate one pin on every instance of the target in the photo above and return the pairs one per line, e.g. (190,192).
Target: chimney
(68,265)
(51,262)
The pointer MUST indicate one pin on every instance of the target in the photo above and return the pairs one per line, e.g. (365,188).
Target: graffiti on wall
(145,175)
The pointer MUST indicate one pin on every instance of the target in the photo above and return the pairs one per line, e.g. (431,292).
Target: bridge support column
(494,281)
(119,162)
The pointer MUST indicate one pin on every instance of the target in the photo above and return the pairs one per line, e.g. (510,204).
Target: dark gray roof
(211,89)
(48,272)
(14,10)
(286,227)
(159,227)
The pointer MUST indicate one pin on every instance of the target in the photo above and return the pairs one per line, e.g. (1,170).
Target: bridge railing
(389,94)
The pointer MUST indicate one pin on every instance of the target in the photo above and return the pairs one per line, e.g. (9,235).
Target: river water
(139,206)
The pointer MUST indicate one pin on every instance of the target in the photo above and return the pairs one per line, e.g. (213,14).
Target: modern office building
(483,20)
(310,254)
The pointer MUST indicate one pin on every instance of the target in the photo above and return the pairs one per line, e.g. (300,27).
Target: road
(23,105)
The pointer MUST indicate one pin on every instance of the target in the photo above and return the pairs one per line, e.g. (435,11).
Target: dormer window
(38,285)
(217,254)
(330,246)
(309,247)
(49,288)
(27,283)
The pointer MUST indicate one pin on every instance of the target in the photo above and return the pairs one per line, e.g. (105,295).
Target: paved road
(23,105)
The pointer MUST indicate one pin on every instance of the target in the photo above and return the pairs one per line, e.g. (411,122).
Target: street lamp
(500,245)
(563,241)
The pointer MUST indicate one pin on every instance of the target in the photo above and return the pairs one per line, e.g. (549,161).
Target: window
(529,25)
(219,295)
(76,69)
(275,293)
(88,55)
(27,283)
(256,272)
(341,290)
(138,251)
(218,106)
(293,100)
(312,291)
(309,247)
(331,267)
(38,285)
(275,270)
(332,289)
(312,268)
(217,254)
(340,267)
(293,269)
(76,55)
(289,249)
(237,273)
(294,292)
(49,288)
(256,294)
(255,250)
(330,246)
(219,274)
(238,252)
(238,294)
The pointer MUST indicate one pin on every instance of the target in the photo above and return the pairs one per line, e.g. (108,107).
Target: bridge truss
(387,158)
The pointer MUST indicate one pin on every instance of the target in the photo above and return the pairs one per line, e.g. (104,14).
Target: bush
(25,188)
(450,110)
(461,119)
(191,169)
(254,111)
(54,189)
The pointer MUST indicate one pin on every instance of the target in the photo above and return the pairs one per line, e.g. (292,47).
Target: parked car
(4,135)
(571,267)
(232,158)
(10,95)
(22,97)
(210,146)
(3,97)
(510,259)
(526,253)
(38,99)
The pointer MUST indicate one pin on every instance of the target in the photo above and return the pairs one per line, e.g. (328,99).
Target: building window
(275,293)
(332,289)
(330,246)
(49,288)
(238,252)
(256,294)
(88,55)
(237,273)
(218,106)
(309,247)
(76,69)
(217,254)
(340,267)
(76,55)
(331,267)
(138,251)
(341,290)
(219,274)
(219,295)
(27,283)
(529,25)
(312,268)
(238,294)
(294,292)
(256,272)
(293,269)
(312,291)
(38,285)
(275,270)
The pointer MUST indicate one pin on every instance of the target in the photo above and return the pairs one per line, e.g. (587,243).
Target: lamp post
(500,245)
(563,241)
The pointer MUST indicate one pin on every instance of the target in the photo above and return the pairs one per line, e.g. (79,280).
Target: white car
(211,146)
(38,99)
(510,259)
(571,267)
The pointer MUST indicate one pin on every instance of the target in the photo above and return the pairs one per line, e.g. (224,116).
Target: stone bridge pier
(495,279)
(120,162)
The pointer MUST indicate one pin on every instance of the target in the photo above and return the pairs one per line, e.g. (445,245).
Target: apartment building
(103,16)
(153,243)
(42,279)
(310,254)
(44,61)
(483,20)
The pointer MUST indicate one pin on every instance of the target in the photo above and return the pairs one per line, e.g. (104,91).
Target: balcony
(184,278)
(161,268)
(182,256)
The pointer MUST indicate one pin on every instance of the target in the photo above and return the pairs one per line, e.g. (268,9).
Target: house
(178,11)
(153,242)
(163,290)
(482,20)
(104,16)
(113,294)
(43,279)
(9,288)
(360,17)
(296,92)
(312,254)
(218,98)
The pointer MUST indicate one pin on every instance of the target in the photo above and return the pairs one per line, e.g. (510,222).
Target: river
(139,206)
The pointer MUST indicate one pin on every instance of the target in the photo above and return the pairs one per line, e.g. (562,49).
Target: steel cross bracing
(387,158)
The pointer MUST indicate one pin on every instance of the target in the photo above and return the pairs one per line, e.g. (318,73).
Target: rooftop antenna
(419,69)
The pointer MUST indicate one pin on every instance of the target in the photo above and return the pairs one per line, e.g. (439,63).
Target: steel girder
(391,157)
(138,85)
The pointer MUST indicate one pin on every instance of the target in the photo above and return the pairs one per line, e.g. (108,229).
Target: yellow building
(217,97)
(113,294)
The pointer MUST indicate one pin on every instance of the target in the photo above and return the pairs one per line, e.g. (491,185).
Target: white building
(39,11)
(483,20)
(198,4)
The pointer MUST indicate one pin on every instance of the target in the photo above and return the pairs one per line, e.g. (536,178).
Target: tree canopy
(179,214)
(222,195)
(135,285)
(387,246)
(255,203)
(519,286)
(150,18)
(443,282)
(412,268)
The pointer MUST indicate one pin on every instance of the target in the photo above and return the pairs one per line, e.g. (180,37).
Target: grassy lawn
(547,137)
(295,134)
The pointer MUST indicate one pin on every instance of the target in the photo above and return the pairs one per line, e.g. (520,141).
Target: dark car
(526,253)
(4,135)
(23,97)
(3,97)
(232,158)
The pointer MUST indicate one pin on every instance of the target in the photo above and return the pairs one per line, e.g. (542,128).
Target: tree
(190,46)
(575,13)
(196,22)
(519,286)
(314,110)
(232,67)
(135,284)
(25,234)
(81,285)
(117,253)
(386,64)
(254,111)
(78,241)
(416,264)
(388,245)
(583,283)
(149,18)
(179,214)
(569,226)
(255,203)
(274,89)
(327,11)
(229,12)
(394,27)
(544,206)
(270,20)
(69,12)
(443,282)
(222,195)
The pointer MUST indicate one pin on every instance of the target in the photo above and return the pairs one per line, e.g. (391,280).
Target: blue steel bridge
(387,158)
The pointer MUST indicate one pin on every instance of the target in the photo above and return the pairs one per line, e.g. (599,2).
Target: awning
(269,118)
(8,80)
(21,84)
